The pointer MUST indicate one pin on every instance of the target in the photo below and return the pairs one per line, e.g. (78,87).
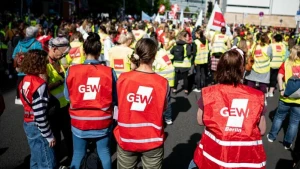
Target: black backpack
(178,53)
(91,159)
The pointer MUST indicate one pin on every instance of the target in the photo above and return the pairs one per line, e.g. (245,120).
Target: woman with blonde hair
(288,102)
(119,56)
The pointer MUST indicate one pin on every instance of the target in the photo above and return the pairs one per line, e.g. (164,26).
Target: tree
(167,4)
(187,9)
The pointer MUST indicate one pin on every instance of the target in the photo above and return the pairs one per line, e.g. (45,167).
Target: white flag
(181,18)
(217,20)
(199,20)
(157,18)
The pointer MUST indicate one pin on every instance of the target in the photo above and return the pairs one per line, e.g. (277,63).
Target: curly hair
(35,62)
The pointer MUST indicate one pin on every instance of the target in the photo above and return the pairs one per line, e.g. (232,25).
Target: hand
(52,143)
(282,93)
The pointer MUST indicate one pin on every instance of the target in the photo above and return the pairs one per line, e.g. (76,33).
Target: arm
(39,105)
(168,98)
(262,125)
(200,117)
(280,83)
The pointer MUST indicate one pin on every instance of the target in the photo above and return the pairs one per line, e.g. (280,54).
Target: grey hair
(59,42)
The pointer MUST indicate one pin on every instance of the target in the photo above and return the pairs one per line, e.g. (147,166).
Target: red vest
(141,106)
(232,138)
(90,92)
(28,87)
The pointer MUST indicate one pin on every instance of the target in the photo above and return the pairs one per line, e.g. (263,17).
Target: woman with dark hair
(76,54)
(91,90)
(34,97)
(233,117)
(141,105)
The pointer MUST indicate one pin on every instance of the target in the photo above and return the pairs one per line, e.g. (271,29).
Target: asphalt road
(182,136)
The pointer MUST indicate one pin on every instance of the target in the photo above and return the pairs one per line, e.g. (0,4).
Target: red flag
(219,19)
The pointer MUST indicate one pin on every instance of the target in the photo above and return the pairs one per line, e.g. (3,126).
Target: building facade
(194,5)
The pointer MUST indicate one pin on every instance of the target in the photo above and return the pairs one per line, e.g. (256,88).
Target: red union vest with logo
(28,86)
(231,128)
(90,92)
(141,107)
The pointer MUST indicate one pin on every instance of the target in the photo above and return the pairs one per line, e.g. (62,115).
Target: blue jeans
(192,165)
(80,146)
(282,110)
(42,156)
(168,112)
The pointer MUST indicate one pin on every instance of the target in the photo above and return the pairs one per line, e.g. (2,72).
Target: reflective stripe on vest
(261,60)
(232,143)
(202,52)
(142,140)
(278,52)
(231,165)
(90,118)
(139,125)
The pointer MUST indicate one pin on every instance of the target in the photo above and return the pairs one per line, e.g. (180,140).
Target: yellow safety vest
(278,52)
(119,58)
(219,43)
(162,65)
(261,59)
(270,37)
(77,54)
(186,63)
(58,92)
(202,52)
(288,65)
(33,23)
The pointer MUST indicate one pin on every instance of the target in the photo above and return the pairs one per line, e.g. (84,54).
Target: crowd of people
(90,79)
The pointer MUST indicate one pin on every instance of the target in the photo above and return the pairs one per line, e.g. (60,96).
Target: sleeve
(39,106)
(282,69)
(114,86)
(66,90)
(200,102)
(172,50)
(168,96)
(189,50)
(37,45)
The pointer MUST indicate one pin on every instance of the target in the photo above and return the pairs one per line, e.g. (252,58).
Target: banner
(145,17)
(199,20)
(161,9)
(216,21)
(174,9)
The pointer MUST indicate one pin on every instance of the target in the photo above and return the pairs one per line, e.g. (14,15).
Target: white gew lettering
(236,114)
(141,98)
(91,88)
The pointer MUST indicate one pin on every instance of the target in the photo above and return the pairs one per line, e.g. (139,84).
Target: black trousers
(60,121)
(273,77)
(181,75)
(201,73)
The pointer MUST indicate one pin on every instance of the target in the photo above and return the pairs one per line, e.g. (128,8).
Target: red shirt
(282,70)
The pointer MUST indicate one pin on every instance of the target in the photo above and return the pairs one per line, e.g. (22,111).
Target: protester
(29,42)
(76,54)
(34,97)
(140,125)
(91,89)
(108,44)
(223,137)
(201,60)
(182,52)
(119,56)
(58,105)
(287,103)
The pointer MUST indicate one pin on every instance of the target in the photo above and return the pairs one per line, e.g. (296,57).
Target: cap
(31,31)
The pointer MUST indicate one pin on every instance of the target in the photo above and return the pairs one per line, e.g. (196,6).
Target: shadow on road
(181,104)
(182,154)
(3,150)
(25,164)
(284,163)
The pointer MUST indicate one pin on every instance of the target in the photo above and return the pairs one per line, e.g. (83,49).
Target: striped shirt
(39,106)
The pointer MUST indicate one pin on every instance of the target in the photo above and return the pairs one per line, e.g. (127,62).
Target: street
(182,136)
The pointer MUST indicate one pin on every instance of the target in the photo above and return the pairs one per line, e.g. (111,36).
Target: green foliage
(187,9)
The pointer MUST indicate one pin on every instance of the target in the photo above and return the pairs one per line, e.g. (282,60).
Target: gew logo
(236,114)
(141,98)
(91,88)
(25,88)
